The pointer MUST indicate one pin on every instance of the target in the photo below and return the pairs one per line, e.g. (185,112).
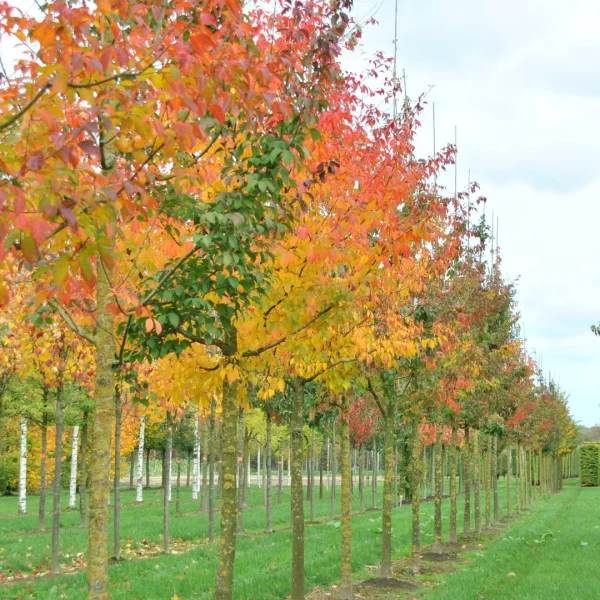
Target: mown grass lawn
(551,553)
(262,570)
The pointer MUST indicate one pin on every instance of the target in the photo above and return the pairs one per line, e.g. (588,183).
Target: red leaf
(208,19)
(218,113)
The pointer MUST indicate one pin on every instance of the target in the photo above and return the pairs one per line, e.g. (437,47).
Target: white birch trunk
(248,473)
(73,479)
(23,468)
(196,463)
(289,472)
(139,494)
(258,464)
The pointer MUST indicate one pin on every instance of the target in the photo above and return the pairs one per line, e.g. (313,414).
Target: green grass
(263,562)
(551,553)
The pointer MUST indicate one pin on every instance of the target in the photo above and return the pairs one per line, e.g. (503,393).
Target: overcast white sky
(520,80)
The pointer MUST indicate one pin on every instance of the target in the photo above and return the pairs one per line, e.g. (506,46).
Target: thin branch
(262,349)
(11,120)
(62,311)
(376,397)
(342,361)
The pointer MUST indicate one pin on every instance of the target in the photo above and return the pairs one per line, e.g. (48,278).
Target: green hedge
(589,464)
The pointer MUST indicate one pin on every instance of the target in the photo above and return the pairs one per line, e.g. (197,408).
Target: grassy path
(551,553)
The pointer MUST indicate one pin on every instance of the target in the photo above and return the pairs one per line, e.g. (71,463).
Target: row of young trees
(198,207)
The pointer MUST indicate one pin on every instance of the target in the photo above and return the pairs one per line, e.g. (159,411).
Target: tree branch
(11,120)
(62,311)
(262,349)
(376,398)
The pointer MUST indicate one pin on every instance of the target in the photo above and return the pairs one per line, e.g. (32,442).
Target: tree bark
(73,477)
(227,540)
(42,507)
(437,491)
(508,479)
(488,483)
(23,468)
(203,468)
(361,477)
(148,468)
(333,475)
(321,466)
(297,495)
(345,592)
(56,485)
(178,488)
(268,469)
(117,480)
(83,507)
(196,459)
(131,469)
(139,495)
(467,482)
(386,517)
(495,478)
(312,474)
(241,474)
(212,423)
(280,480)
(452,460)
(374,476)
(166,498)
(416,475)
(477,480)
(104,412)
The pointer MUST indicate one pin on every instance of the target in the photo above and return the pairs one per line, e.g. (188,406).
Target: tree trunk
(246,469)
(139,495)
(452,465)
(83,510)
(212,423)
(345,592)
(166,496)
(188,477)
(374,477)
(148,469)
(438,484)
(56,485)
(488,483)
(23,468)
(104,412)
(333,474)
(416,474)
(508,479)
(131,469)
(227,540)
(42,508)
(361,476)
(268,470)
(495,478)
(386,518)
(321,465)
(241,474)
(477,482)
(280,480)
(297,495)
(117,480)
(203,469)
(518,478)
(312,474)
(73,477)
(467,482)
(178,488)
(196,469)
